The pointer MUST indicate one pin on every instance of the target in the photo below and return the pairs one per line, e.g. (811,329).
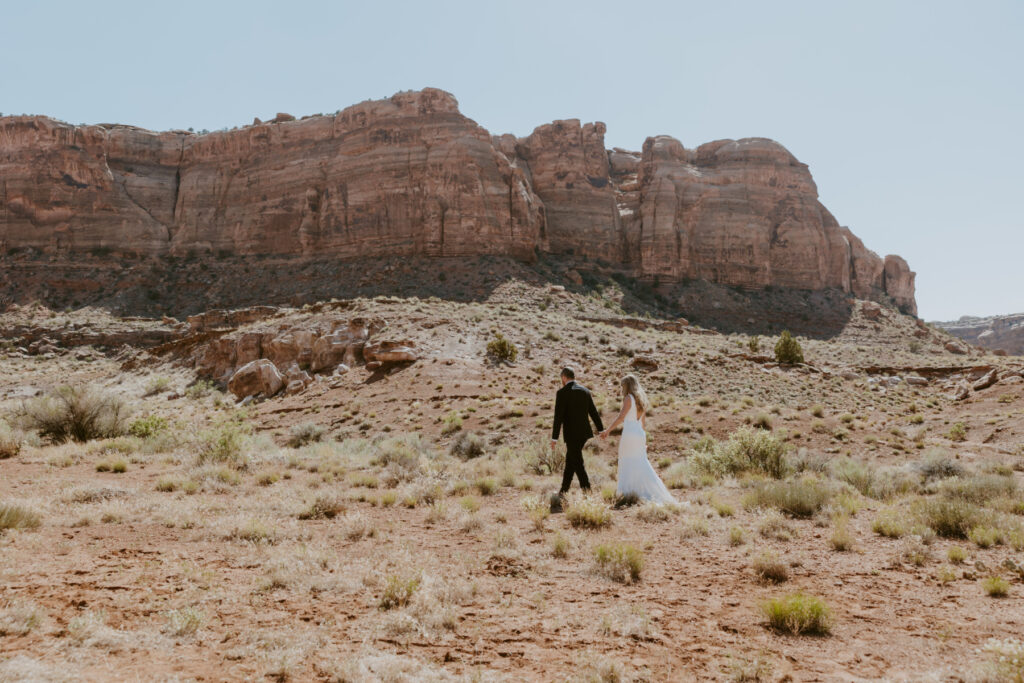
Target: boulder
(916,381)
(954,347)
(961,391)
(987,380)
(257,377)
(645,363)
(294,387)
(390,351)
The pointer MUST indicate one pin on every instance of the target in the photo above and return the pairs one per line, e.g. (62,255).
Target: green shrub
(502,349)
(149,426)
(78,413)
(798,613)
(223,443)
(842,536)
(796,497)
(200,389)
(746,450)
(950,517)
(402,452)
(18,517)
(979,489)
(452,423)
(754,344)
(938,464)
(958,432)
(486,485)
(303,434)
(620,562)
(859,475)
(787,350)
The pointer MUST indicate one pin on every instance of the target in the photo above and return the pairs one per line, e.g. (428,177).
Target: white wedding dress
(636,476)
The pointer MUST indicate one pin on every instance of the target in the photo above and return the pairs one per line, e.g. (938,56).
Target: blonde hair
(631,386)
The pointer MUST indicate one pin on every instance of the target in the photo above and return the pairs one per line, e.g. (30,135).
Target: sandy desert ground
(395,524)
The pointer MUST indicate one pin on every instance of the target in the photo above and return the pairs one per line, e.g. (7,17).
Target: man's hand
(554,442)
(603,435)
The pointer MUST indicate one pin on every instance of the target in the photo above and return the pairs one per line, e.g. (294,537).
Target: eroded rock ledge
(410,175)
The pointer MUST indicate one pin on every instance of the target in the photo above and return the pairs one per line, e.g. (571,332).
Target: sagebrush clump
(75,413)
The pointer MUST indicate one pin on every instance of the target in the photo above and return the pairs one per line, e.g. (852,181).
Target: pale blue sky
(910,114)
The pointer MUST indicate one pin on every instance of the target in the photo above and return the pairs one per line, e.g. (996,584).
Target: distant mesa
(411,176)
(995,333)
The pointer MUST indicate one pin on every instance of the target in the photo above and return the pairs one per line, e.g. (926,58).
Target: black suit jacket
(573,406)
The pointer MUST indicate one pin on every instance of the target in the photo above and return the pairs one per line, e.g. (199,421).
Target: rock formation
(410,175)
(996,333)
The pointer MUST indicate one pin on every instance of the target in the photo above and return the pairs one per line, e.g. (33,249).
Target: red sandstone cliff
(410,175)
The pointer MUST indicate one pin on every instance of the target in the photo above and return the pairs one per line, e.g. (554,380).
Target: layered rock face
(997,333)
(410,175)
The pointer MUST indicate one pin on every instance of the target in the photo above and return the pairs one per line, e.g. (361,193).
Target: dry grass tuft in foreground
(618,561)
(798,613)
(18,517)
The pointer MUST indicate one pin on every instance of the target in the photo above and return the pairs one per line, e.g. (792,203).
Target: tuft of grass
(798,613)
(468,445)
(737,536)
(303,434)
(452,422)
(267,478)
(18,618)
(486,485)
(157,385)
(537,510)
(956,554)
(10,441)
(559,546)
(398,591)
(587,511)
(618,561)
(185,621)
(18,517)
(117,465)
(324,507)
(769,568)
(958,432)
(985,536)
(796,497)
(995,586)
(842,536)
(891,523)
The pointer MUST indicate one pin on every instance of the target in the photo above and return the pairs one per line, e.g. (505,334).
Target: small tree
(787,349)
(502,348)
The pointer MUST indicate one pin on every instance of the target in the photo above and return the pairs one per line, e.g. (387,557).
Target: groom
(573,405)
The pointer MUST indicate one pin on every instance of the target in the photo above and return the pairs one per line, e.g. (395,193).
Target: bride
(636,476)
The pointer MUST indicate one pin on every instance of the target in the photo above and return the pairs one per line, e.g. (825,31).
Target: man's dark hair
(568,372)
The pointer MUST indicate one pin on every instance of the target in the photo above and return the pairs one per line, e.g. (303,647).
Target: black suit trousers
(574,466)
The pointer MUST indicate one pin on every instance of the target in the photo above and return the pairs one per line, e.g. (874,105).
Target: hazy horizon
(910,120)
